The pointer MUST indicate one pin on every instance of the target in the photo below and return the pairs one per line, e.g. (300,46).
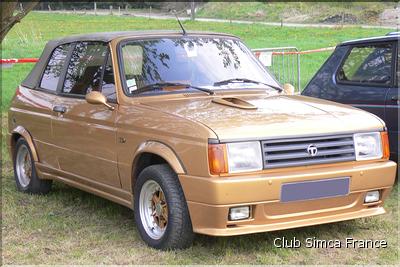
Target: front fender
(162,150)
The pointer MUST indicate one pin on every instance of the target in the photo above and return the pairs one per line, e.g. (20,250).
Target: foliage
(9,19)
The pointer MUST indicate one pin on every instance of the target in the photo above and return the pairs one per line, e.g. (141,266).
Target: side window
(85,68)
(108,84)
(368,65)
(54,68)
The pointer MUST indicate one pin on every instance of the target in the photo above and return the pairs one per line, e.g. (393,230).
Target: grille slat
(310,138)
(305,154)
(306,162)
(293,152)
(305,145)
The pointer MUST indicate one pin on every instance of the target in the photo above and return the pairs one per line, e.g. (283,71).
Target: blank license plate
(316,189)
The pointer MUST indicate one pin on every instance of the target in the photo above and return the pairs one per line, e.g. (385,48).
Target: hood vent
(234,102)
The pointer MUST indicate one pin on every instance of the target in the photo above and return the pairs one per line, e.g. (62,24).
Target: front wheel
(161,213)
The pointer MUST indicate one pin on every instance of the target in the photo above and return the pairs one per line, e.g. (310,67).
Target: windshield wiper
(244,80)
(165,84)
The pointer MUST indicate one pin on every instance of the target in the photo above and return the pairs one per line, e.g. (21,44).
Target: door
(39,103)
(392,111)
(85,134)
(365,77)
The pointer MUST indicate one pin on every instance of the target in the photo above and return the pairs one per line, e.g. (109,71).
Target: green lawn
(69,226)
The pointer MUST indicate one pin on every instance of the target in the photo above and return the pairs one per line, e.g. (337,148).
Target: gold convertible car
(191,132)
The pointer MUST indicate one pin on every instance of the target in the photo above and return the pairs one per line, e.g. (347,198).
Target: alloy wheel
(23,164)
(153,209)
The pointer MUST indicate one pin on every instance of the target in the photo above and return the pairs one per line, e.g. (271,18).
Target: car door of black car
(365,76)
(392,109)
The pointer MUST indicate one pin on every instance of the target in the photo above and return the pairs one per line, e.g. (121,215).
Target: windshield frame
(133,40)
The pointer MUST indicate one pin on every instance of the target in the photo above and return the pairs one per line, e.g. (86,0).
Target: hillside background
(385,13)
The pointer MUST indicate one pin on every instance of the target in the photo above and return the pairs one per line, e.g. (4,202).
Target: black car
(365,74)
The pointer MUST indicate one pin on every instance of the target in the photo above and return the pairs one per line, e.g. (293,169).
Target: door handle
(59,109)
(395,98)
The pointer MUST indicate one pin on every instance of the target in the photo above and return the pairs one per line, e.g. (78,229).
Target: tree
(192,10)
(12,13)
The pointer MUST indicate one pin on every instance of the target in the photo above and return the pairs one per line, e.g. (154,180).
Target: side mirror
(288,89)
(97,98)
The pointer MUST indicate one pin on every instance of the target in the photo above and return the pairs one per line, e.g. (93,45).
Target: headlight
(235,157)
(368,146)
(244,157)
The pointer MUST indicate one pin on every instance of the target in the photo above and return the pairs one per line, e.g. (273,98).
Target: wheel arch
(19,132)
(154,152)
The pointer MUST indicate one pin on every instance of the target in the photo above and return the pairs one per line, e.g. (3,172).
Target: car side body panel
(85,139)
(180,142)
(392,119)
(112,193)
(32,110)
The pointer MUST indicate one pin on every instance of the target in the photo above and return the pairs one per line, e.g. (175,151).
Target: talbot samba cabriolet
(192,133)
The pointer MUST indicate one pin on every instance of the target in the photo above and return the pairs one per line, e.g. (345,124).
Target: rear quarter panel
(32,109)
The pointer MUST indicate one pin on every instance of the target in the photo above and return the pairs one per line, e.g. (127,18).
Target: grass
(69,226)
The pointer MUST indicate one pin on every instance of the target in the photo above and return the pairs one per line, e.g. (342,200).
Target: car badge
(312,150)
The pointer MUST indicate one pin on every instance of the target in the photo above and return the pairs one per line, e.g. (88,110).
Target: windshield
(196,61)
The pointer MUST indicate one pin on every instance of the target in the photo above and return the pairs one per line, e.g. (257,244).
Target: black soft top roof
(393,37)
(33,79)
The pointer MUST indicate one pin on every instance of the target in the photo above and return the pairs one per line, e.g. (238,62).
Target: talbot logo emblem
(312,150)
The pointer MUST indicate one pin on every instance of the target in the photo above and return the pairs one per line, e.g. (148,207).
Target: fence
(283,62)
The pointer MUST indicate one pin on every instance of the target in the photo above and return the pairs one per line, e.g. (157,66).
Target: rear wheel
(161,213)
(25,172)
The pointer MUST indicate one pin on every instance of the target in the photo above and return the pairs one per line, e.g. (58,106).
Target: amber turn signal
(385,145)
(217,158)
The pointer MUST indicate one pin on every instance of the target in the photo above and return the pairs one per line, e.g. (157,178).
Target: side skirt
(116,195)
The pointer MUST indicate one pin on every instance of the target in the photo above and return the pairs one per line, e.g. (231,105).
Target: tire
(25,173)
(173,232)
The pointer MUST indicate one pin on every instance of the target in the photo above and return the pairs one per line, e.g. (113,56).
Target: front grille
(294,151)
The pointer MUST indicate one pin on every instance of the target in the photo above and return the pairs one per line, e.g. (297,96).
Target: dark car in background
(365,74)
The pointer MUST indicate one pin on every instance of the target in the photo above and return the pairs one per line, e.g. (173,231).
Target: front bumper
(209,199)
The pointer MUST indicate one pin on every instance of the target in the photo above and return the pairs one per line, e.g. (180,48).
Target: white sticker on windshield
(266,58)
(131,85)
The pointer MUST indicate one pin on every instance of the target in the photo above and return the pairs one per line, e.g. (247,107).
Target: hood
(274,116)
